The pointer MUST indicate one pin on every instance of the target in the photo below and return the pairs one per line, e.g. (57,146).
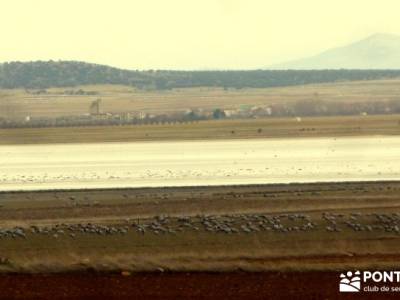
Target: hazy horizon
(219,34)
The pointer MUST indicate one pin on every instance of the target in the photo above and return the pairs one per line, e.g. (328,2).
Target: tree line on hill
(46,74)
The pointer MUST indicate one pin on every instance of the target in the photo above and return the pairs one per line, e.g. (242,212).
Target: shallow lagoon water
(193,163)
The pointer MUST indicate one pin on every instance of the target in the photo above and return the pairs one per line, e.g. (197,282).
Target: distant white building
(230,112)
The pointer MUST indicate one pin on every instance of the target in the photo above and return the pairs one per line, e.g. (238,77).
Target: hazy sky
(187,34)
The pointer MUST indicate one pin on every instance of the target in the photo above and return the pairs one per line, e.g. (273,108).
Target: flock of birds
(124,176)
(224,224)
(210,172)
(274,161)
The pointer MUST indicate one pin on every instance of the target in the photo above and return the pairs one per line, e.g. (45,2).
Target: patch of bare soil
(165,286)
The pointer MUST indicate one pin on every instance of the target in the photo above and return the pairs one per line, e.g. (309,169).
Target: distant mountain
(45,74)
(379,51)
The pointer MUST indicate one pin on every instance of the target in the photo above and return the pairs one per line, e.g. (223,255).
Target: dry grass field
(117,99)
(206,130)
(353,225)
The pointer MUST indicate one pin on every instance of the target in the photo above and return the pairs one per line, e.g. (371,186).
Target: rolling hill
(46,74)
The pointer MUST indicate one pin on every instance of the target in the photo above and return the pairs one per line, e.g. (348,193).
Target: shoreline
(192,187)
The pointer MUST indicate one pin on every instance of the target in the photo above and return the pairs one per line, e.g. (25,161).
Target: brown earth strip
(165,286)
